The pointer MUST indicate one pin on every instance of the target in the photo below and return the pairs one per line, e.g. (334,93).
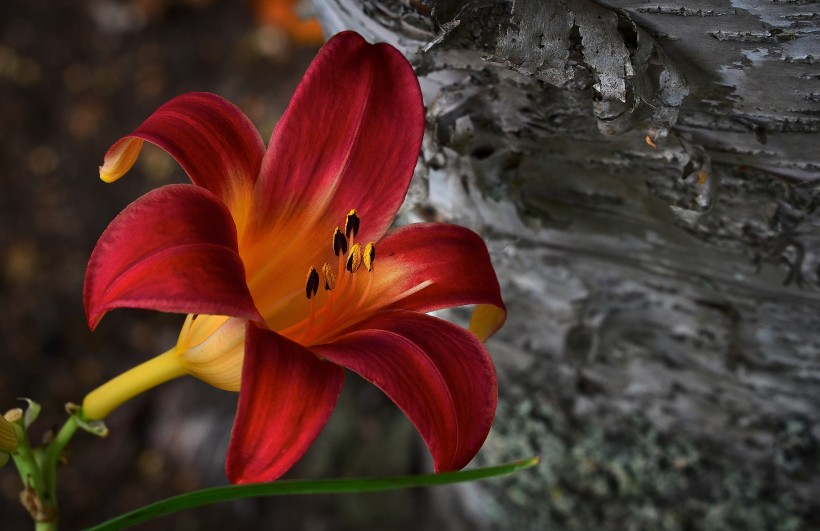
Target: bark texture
(647,176)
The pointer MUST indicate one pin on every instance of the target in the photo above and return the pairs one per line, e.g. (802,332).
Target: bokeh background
(75,77)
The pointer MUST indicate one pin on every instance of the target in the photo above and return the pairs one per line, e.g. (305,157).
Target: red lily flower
(233,251)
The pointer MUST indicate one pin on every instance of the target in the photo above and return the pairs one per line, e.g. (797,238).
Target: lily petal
(349,139)
(453,259)
(217,145)
(172,250)
(287,396)
(437,373)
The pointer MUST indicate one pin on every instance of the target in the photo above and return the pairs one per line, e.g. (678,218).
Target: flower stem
(37,500)
(53,453)
(100,402)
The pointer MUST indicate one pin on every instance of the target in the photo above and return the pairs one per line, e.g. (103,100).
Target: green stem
(26,464)
(38,466)
(36,499)
(52,457)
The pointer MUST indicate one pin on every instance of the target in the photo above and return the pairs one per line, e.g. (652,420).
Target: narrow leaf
(287,487)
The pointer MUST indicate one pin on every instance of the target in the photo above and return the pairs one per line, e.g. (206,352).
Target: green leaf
(288,487)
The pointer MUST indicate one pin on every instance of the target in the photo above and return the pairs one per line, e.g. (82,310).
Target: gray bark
(661,353)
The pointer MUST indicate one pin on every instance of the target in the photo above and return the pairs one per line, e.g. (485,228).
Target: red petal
(437,373)
(349,139)
(286,399)
(172,250)
(211,138)
(454,259)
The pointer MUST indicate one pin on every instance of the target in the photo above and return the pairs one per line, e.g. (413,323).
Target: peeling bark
(647,176)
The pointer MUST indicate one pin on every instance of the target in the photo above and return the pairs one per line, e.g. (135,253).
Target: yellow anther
(312,283)
(354,258)
(330,277)
(352,223)
(369,256)
(339,242)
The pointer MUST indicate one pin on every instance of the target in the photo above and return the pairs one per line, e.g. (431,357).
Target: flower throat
(340,286)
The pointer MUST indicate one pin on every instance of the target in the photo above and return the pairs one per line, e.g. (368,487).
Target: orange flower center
(344,298)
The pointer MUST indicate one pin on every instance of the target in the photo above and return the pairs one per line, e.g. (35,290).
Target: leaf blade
(291,487)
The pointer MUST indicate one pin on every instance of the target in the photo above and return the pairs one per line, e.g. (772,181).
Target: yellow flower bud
(8,438)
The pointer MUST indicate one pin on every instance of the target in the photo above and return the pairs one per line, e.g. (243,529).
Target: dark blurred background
(75,77)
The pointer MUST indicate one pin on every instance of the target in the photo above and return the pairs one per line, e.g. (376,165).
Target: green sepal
(4,458)
(32,412)
(94,427)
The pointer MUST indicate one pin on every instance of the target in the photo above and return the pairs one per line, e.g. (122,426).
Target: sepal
(94,427)
(31,413)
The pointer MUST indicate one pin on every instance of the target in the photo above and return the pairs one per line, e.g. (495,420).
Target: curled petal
(349,139)
(216,144)
(437,373)
(172,250)
(287,396)
(120,158)
(453,260)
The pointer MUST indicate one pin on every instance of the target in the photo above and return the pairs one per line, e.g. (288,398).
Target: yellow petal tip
(120,158)
(107,176)
(486,320)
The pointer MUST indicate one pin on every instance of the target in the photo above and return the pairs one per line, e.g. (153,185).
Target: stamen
(339,242)
(312,283)
(363,298)
(361,309)
(369,256)
(330,277)
(310,320)
(352,223)
(354,258)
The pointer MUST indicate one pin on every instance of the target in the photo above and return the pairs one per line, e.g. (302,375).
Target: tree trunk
(646,177)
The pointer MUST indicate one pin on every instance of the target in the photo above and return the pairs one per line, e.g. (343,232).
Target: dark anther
(312,284)
(352,223)
(339,242)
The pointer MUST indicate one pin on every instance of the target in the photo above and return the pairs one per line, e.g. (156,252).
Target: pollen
(369,256)
(312,283)
(354,258)
(339,242)
(352,223)
(330,277)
